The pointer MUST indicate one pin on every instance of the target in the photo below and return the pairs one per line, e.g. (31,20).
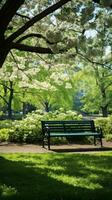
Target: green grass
(56,176)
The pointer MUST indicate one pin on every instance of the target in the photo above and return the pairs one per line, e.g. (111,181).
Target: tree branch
(14,59)
(23,47)
(37,18)
(23,16)
(108,85)
(7,12)
(5,86)
(3,99)
(37,35)
(91,61)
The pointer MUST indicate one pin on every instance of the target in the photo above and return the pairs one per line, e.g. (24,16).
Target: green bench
(69,129)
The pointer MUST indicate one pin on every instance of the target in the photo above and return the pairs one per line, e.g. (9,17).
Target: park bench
(69,129)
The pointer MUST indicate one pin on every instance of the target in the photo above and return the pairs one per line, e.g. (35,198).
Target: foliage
(6,124)
(5,128)
(29,129)
(56,176)
(4,134)
(79,30)
(106,124)
(95,85)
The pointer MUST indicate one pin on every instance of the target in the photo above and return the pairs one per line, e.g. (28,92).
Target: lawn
(54,176)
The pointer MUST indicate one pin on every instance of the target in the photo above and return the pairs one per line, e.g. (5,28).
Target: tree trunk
(24,108)
(47,106)
(10,100)
(105,111)
(3,53)
(104,105)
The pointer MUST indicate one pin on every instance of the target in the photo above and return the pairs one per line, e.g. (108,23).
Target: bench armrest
(99,130)
(46,131)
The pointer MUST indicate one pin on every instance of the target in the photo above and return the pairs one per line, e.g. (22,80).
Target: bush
(24,132)
(6,123)
(106,125)
(4,134)
(109,137)
(29,129)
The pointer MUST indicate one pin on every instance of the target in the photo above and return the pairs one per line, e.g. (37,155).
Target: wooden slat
(69,126)
(52,134)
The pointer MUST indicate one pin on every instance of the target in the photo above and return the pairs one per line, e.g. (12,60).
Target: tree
(49,88)
(97,52)
(9,15)
(97,89)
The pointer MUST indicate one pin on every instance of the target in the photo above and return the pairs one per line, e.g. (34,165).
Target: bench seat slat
(68,122)
(69,131)
(52,134)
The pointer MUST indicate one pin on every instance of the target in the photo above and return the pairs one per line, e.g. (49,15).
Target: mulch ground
(29,148)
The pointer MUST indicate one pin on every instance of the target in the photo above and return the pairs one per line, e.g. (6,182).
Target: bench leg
(94,140)
(48,143)
(101,142)
(43,142)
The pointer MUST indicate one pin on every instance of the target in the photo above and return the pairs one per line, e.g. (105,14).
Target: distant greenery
(56,176)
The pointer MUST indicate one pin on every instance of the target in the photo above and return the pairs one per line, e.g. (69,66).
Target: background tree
(96,88)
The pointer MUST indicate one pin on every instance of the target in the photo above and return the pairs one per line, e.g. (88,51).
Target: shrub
(6,124)
(106,125)
(29,129)
(4,134)
(109,137)
(24,133)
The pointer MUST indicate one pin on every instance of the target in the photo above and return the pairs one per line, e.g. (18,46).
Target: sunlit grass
(56,176)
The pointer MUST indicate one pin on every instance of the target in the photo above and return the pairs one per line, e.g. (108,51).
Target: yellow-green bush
(4,134)
(106,125)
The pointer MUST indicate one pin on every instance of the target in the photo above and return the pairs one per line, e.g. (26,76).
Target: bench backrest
(69,126)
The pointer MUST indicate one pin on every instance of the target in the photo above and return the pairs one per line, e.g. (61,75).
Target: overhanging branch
(7,12)
(23,16)
(37,35)
(37,18)
(91,61)
(23,47)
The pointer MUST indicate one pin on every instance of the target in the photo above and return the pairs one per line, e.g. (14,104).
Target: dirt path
(29,148)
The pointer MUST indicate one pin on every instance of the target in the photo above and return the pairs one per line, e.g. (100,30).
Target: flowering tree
(7,14)
(12,30)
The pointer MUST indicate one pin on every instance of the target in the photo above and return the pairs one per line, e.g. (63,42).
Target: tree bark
(23,47)
(47,106)
(105,111)
(3,55)
(10,100)
(7,12)
(104,105)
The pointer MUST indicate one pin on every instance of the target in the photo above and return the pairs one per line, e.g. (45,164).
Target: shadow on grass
(82,149)
(55,177)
